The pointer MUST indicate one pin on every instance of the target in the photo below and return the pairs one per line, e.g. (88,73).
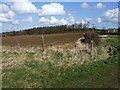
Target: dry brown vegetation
(16,56)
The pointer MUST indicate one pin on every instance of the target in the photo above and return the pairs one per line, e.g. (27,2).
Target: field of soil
(64,40)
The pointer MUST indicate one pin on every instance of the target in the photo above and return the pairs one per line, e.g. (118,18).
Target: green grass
(100,74)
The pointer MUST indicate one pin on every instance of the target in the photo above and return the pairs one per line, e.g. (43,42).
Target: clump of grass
(30,55)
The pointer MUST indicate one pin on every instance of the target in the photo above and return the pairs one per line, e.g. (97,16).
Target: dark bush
(91,35)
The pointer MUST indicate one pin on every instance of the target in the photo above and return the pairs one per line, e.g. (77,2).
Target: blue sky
(26,14)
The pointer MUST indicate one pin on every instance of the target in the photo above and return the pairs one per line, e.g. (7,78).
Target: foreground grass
(102,74)
(99,74)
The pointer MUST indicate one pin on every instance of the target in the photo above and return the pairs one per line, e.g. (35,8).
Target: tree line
(55,30)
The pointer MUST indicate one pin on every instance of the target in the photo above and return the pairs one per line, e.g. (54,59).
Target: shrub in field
(91,36)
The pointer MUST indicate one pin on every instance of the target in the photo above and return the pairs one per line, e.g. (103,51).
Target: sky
(15,16)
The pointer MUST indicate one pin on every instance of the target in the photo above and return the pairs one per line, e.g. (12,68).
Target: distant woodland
(61,29)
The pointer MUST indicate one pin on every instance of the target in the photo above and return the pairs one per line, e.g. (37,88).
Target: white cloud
(43,20)
(84,5)
(3,18)
(11,14)
(7,17)
(12,28)
(4,8)
(111,16)
(63,21)
(88,19)
(99,20)
(70,19)
(24,7)
(100,6)
(52,9)
(53,21)
(83,21)
(28,19)
(15,22)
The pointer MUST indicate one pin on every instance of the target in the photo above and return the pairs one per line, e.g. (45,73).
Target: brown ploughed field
(65,40)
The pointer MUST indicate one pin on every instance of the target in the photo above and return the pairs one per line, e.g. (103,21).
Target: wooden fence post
(92,49)
(42,42)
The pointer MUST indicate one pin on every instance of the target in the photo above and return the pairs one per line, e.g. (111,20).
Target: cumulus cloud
(28,19)
(63,21)
(4,8)
(110,16)
(24,6)
(7,17)
(99,20)
(53,21)
(52,9)
(43,20)
(85,21)
(70,19)
(84,5)
(100,6)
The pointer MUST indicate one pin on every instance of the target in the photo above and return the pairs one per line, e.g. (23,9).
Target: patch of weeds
(6,54)
(31,64)
(113,41)
(30,55)
(99,51)
(68,54)
(56,55)
(15,54)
